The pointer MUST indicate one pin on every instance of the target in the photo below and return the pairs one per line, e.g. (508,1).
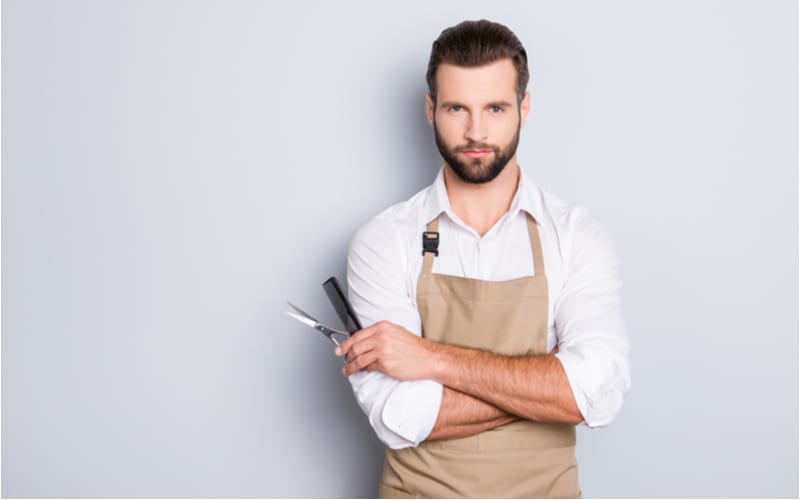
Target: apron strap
(533,233)
(427,261)
(536,246)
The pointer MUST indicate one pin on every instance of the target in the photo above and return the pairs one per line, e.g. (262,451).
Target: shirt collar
(437,200)
(526,198)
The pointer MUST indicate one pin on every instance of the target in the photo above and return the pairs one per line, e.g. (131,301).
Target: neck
(480,206)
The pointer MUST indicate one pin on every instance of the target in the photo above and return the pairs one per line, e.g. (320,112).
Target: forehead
(496,80)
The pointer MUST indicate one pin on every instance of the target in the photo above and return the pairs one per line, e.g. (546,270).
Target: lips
(477,153)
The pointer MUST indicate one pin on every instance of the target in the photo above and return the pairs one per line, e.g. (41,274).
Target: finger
(346,345)
(364,350)
(362,346)
(358,336)
(343,348)
(372,367)
(358,363)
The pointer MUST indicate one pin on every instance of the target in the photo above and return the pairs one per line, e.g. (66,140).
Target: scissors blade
(308,321)
(302,312)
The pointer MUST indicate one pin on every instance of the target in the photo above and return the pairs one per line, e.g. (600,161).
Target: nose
(476,129)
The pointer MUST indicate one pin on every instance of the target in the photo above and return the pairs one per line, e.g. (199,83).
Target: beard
(477,170)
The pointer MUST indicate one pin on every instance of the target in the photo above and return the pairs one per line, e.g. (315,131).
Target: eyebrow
(500,104)
(447,104)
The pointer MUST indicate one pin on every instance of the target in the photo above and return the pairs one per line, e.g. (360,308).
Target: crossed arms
(481,390)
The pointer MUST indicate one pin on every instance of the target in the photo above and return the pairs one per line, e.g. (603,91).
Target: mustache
(471,145)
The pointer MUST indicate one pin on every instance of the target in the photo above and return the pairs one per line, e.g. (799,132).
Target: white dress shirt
(584,310)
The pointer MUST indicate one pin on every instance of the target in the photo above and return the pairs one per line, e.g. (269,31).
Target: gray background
(174,171)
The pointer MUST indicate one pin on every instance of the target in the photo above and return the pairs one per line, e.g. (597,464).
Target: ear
(524,108)
(429,107)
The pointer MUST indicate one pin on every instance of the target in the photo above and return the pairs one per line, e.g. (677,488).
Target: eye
(495,109)
(455,107)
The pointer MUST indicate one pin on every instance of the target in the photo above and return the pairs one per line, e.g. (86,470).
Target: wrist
(437,361)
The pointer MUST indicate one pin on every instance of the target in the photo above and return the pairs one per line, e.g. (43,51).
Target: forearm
(531,387)
(462,415)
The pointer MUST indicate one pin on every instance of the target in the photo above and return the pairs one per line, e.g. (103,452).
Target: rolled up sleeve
(402,413)
(592,340)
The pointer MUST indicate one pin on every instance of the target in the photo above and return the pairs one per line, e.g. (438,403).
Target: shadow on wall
(425,158)
(419,162)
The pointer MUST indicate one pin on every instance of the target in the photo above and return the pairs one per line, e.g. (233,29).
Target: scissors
(334,336)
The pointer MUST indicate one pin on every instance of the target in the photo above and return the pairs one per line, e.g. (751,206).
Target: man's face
(476,118)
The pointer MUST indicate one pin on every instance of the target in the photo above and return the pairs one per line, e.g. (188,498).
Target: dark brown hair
(476,43)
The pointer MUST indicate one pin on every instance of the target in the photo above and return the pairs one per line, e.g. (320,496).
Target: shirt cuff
(412,408)
(599,389)
(571,364)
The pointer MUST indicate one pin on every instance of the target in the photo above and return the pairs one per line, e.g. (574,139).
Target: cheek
(450,127)
(507,128)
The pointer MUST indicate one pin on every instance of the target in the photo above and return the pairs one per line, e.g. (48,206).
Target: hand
(389,349)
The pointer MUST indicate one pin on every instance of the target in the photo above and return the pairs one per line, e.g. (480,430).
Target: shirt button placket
(478,259)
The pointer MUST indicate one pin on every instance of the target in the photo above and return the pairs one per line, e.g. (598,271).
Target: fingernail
(338,351)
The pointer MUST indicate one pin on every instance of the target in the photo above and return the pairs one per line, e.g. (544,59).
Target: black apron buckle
(430,242)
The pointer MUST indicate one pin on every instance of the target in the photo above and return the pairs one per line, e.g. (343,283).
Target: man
(495,312)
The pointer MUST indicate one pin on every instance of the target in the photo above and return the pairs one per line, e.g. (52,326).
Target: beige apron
(523,459)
